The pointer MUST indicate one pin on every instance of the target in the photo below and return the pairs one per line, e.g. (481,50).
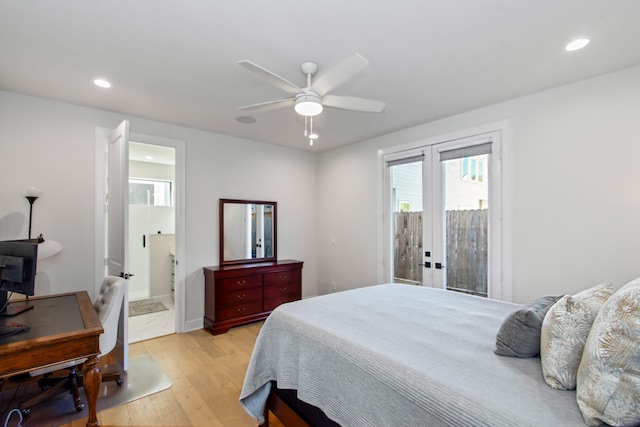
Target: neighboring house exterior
(466,182)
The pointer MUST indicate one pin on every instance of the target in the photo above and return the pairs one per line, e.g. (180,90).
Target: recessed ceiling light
(148,157)
(102,83)
(246,119)
(577,44)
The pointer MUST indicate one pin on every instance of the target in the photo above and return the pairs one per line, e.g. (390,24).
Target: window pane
(466,199)
(465,168)
(406,194)
(150,192)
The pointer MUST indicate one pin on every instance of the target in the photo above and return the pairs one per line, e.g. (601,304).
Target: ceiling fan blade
(269,105)
(328,81)
(353,103)
(272,78)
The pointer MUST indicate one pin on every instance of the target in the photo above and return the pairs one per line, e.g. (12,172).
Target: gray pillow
(519,334)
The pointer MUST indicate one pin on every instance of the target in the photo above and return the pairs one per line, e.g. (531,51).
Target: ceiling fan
(310,100)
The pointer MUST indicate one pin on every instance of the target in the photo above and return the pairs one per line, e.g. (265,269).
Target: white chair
(108,305)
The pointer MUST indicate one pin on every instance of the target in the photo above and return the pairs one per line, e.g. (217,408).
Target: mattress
(392,354)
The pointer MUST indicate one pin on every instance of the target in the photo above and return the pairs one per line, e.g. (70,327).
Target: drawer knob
(242,296)
(283,277)
(242,309)
(282,290)
(241,282)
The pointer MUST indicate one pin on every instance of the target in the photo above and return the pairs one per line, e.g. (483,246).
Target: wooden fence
(408,247)
(466,246)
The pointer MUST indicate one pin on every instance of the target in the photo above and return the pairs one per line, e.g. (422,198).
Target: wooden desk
(64,327)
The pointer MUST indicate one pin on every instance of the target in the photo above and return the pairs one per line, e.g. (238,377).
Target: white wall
(571,177)
(50,145)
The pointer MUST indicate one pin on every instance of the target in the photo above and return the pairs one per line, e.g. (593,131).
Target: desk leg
(92,380)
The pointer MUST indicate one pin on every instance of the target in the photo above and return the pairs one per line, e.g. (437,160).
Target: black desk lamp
(47,248)
(31,200)
(32,195)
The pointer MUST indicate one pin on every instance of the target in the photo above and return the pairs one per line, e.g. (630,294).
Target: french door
(443,205)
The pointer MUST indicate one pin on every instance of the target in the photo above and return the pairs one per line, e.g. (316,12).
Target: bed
(398,355)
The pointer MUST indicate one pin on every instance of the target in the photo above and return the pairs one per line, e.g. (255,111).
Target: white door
(442,201)
(461,213)
(117,224)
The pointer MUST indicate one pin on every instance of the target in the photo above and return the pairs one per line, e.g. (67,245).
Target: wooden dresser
(239,294)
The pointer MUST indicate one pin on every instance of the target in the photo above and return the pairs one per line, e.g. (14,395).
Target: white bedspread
(400,355)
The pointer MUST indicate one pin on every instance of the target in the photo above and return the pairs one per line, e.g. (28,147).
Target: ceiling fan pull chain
(306,125)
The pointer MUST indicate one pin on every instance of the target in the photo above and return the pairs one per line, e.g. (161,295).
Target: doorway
(151,237)
(443,204)
(101,202)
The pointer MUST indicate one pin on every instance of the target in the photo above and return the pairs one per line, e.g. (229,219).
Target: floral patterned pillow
(609,374)
(565,330)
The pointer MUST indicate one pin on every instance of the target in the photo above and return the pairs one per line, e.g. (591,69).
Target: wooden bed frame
(283,412)
(281,403)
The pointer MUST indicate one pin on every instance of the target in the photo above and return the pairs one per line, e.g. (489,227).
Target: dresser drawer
(282,290)
(272,303)
(239,310)
(231,284)
(282,277)
(239,297)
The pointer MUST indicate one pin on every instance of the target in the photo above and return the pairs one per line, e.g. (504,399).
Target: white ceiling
(176,61)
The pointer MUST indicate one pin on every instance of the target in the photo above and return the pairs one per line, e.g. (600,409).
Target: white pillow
(564,331)
(609,374)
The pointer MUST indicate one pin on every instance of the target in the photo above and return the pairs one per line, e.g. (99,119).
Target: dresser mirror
(248,231)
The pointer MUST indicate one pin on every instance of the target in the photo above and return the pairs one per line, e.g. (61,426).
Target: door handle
(439,266)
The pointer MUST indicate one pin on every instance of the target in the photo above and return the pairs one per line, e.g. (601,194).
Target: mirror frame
(275,232)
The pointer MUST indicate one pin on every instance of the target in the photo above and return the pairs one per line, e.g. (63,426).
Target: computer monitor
(18,259)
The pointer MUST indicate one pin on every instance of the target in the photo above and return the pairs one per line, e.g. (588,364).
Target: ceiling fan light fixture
(308,105)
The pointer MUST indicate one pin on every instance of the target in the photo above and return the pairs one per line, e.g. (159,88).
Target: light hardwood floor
(207,373)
